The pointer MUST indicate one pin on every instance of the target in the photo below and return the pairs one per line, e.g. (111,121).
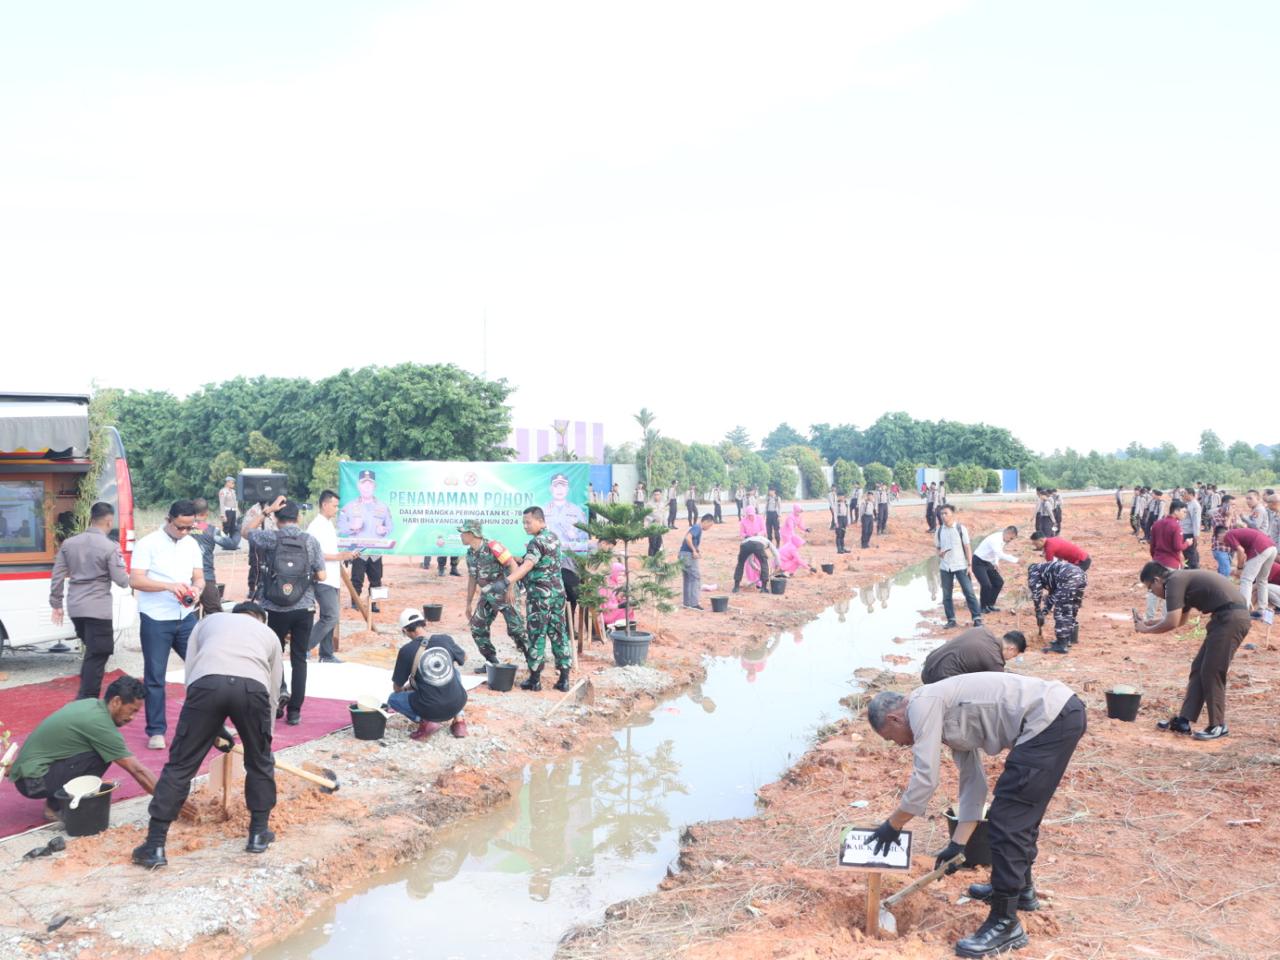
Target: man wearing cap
(563,515)
(228,504)
(488,565)
(366,517)
(428,689)
(544,600)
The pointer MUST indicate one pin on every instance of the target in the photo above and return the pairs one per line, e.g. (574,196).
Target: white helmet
(409,616)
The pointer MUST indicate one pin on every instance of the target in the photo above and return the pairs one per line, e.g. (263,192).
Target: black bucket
(433,612)
(630,650)
(828,568)
(977,852)
(719,604)
(93,815)
(367,724)
(1123,706)
(500,676)
(778,586)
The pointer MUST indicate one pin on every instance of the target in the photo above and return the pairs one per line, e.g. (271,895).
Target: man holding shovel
(234,670)
(1039,722)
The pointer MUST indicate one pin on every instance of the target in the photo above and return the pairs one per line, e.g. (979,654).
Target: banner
(416,507)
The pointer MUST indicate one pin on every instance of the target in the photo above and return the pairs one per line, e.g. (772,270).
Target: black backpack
(287,572)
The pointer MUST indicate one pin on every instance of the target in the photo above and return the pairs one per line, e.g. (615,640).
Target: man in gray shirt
(956,552)
(233,670)
(1191,530)
(87,564)
(1039,722)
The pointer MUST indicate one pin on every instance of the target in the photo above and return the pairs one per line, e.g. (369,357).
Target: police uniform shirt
(375,517)
(87,564)
(561,520)
(772,503)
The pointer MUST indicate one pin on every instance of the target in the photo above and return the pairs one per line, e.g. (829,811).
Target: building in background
(584,440)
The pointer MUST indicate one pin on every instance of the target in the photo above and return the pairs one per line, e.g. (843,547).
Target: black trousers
(746,551)
(1057,518)
(655,545)
(211,702)
(1044,524)
(738,503)
(295,626)
(868,526)
(691,509)
(572,581)
(930,516)
(842,525)
(671,514)
(716,512)
(228,522)
(99,642)
(361,566)
(87,764)
(772,528)
(1032,772)
(990,583)
(453,568)
(1119,509)
(882,517)
(1191,555)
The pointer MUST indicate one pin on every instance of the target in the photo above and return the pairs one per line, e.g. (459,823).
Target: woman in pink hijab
(793,525)
(613,612)
(789,559)
(751,524)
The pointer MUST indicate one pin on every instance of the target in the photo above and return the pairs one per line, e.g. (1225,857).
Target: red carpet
(22,709)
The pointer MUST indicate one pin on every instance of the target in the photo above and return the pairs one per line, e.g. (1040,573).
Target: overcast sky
(1040,215)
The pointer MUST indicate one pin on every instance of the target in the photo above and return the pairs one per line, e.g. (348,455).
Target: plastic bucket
(500,676)
(1123,706)
(629,651)
(977,852)
(778,586)
(719,604)
(828,568)
(367,724)
(93,815)
(433,612)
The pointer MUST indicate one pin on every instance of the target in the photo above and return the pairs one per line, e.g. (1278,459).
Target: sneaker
(1212,733)
(330,660)
(1175,724)
(156,742)
(1055,648)
(977,621)
(993,609)
(425,729)
(950,625)
(258,842)
(293,719)
(149,856)
(1255,614)
(458,728)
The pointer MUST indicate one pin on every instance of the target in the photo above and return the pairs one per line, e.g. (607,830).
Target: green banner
(416,507)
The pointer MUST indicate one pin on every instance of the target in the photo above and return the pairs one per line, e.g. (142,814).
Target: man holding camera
(292,561)
(168,575)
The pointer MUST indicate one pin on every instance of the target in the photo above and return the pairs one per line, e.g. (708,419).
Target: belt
(1227,606)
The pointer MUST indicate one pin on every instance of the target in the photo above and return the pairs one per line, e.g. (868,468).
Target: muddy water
(604,826)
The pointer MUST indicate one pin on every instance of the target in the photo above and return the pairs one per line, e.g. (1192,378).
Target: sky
(1053,217)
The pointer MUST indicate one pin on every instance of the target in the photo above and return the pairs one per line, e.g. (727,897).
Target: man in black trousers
(773,516)
(234,672)
(760,548)
(868,518)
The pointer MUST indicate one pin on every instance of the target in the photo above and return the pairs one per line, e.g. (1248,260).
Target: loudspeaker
(262,487)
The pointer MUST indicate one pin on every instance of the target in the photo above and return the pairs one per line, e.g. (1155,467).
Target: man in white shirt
(955,550)
(328,591)
(168,576)
(985,561)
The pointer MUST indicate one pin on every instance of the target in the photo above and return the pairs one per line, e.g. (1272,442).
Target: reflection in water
(604,826)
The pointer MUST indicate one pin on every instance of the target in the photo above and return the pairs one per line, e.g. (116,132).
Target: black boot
(1027,899)
(563,682)
(1056,647)
(533,681)
(150,855)
(1075,634)
(258,842)
(1001,931)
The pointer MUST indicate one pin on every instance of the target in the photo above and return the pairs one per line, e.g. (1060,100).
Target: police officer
(563,516)
(671,506)
(544,600)
(488,565)
(882,508)
(1064,583)
(366,517)
(88,564)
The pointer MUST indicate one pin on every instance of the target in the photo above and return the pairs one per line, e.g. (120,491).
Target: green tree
(738,437)
(751,470)
(324,472)
(876,473)
(625,523)
(1211,448)
(1244,457)
(782,436)
(782,477)
(649,436)
(704,466)
(992,484)
(846,476)
(225,464)
(813,479)
(904,474)
(667,459)
(626,453)
(835,443)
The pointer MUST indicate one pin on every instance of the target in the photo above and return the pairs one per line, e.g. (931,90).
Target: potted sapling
(624,523)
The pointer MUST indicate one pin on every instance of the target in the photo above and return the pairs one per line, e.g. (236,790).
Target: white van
(44,457)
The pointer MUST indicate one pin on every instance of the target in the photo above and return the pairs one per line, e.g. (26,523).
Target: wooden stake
(873,904)
(356,599)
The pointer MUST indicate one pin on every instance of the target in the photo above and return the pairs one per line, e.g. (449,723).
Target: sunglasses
(184,527)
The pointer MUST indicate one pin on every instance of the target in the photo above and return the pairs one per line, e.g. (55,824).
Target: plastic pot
(367,724)
(719,604)
(828,568)
(778,586)
(433,612)
(93,815)
(500,676)
(977,852)
(1123,706)
(630,649)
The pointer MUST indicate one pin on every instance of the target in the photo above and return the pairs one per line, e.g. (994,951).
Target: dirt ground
(1139,853)
(216,901)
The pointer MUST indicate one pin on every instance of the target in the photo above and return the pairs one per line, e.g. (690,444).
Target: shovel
(80,787)
(327,783)
(887,921)
(581,692)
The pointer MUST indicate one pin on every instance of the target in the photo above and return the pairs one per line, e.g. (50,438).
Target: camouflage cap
(472,526)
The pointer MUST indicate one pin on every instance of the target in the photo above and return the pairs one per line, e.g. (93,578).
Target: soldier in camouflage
(544,600)
(1065,584)
(488,565)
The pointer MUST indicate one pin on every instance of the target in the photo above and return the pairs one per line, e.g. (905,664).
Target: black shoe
(258,842)
(354,605)
(737,589)
(993,609)
(533,681)
(281,705)
(562,683)
(1001,931)
(1212,733)
(454,573)
(149,856)
(373,608)
(1027,899)
(1175,724)
(330,660)
(293,719)
(977,621)
(950,625)
(1055,647)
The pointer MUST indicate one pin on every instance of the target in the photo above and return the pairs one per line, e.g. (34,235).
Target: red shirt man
(1059,548)
(1252,542)
(1166,540)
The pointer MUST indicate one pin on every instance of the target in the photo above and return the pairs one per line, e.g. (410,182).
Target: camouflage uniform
(544,602)
(1065,583)
(487,566)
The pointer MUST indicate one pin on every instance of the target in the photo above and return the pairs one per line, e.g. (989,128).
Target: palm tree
(649,437)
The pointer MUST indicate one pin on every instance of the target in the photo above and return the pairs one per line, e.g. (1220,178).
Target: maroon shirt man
(1167,543)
